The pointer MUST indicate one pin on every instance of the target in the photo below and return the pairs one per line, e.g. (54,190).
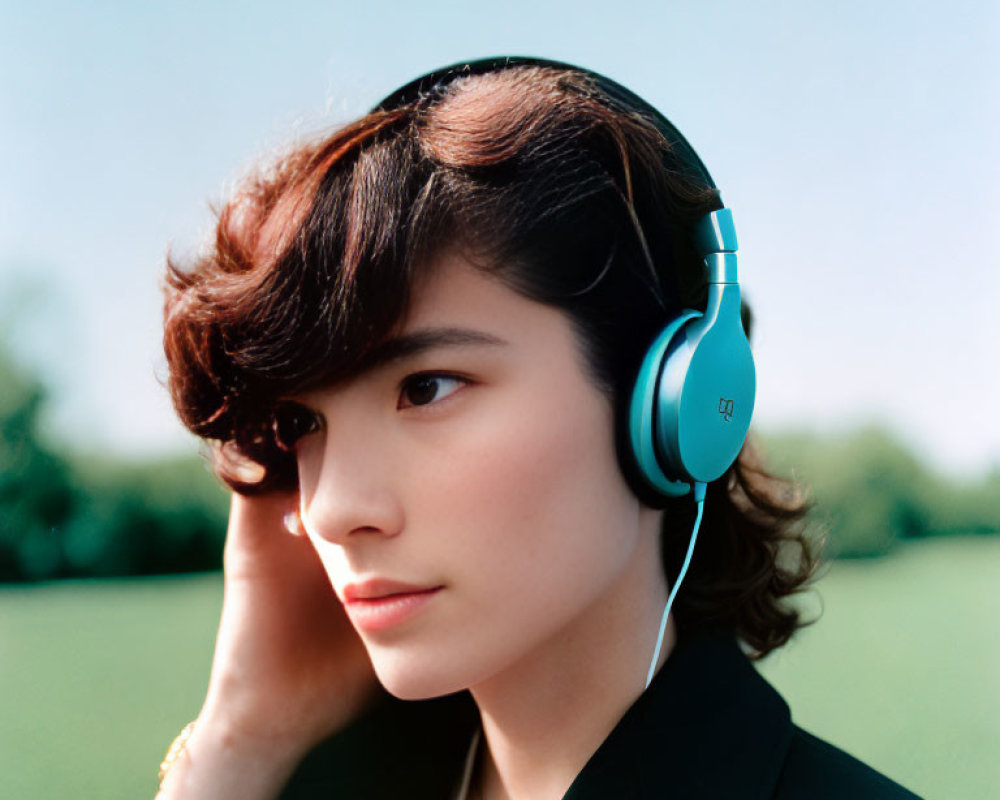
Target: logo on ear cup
(726,408)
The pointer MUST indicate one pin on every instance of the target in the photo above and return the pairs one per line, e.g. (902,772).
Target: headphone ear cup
(643,420)
(692,401)
(705,399)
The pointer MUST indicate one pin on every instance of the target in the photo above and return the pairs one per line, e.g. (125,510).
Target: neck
(545,716)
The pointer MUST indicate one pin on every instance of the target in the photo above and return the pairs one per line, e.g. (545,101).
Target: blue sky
(857,143)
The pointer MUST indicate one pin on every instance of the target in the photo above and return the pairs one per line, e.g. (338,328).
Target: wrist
(212,760)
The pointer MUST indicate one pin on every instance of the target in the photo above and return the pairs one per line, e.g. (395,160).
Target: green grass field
(903,670)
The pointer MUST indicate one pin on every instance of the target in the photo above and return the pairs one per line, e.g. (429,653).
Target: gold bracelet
(177,747)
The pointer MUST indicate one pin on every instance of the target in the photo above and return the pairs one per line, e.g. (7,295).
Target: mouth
(377,613)
(377,588)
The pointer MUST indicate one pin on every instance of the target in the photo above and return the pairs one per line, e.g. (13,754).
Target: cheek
(537,503)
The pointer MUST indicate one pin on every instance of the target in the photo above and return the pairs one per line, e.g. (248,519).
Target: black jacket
(708,727)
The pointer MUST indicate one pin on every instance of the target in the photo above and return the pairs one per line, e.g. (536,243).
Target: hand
(289,668)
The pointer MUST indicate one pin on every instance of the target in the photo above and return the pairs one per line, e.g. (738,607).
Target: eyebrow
(416,342)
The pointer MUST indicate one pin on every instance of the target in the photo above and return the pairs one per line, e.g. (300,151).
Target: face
(477,456)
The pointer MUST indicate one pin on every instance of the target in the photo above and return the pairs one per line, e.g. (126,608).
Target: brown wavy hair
(541,179)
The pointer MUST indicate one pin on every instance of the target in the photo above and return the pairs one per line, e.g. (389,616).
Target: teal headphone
(693,397)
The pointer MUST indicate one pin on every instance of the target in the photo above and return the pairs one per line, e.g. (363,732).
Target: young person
(475,368)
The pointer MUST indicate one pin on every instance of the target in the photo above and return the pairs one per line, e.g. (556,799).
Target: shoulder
(815,769)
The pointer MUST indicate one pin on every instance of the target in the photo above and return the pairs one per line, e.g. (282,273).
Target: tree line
(66,514)
(870,491)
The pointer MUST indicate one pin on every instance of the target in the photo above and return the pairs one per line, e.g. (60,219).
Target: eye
(425,388)
(291,421)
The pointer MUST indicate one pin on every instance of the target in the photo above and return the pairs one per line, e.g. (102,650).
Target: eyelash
(411,381)
(291,421)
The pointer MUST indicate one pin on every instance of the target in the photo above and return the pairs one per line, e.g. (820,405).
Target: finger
(257,535)
(261,515)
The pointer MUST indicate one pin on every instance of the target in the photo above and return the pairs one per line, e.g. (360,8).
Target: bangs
(312,268)
(344,281)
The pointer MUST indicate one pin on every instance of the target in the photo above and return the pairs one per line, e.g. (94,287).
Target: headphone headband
(692,401)
(436,80)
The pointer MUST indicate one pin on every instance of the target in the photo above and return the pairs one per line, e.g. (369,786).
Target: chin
(408,677)
(416,684)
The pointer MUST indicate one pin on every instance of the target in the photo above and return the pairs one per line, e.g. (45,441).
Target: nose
(345,490)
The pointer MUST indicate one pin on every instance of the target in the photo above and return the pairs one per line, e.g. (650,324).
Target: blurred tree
(970,507)
(79,515)
(146,518)
(37,496)
(871,491)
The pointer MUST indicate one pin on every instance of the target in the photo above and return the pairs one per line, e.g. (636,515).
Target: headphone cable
(699,498)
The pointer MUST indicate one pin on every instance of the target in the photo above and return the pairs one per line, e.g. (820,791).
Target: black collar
(708,726)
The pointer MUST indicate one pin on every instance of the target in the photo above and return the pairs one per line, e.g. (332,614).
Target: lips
(376,588)
(377,605)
